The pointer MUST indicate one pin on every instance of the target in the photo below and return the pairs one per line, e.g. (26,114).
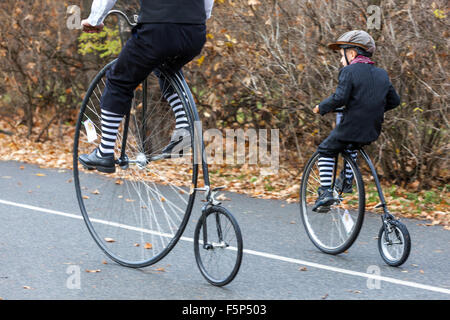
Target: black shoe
(94,162)
(343,184)
(324,201)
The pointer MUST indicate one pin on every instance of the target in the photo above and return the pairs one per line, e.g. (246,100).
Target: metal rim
(219,247)
(390,252)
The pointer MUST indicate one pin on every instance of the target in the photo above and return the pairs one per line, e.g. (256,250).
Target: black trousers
(150,46)
(331,146)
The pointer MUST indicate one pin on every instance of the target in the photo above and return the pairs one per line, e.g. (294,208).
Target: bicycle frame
(387,215)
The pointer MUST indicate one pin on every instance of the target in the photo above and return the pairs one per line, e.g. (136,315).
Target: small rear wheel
(394,243)
(218,246)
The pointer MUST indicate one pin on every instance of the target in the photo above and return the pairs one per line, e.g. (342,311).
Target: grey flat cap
(358,38)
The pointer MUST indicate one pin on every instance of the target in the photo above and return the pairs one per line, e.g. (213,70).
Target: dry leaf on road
(92,271)
(148,245)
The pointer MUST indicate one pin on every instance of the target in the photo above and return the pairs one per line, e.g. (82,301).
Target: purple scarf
(362,59)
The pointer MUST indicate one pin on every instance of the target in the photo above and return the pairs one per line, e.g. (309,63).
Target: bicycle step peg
(205,189)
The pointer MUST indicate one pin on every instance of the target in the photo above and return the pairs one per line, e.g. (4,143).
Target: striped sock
(177,108)
(110,127)
(348,169)
(326,166)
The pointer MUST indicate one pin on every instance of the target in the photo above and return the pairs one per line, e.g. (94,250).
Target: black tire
(399,233)
(128,203)
(317,225)
(232,247)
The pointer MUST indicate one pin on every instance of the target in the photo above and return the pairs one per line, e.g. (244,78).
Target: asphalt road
(45,250)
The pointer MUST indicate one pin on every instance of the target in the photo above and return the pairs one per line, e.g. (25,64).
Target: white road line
(248,251)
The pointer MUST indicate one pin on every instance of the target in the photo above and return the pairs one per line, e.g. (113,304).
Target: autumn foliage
(265,65)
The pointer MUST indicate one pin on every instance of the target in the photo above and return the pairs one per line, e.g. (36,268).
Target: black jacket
(173,11)
(367,93)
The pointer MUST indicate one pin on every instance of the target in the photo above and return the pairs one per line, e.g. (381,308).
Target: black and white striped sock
(177,108)
(110,127)
(326,166)
(348,169)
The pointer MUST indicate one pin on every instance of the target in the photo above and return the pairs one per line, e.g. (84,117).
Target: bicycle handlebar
(120,13)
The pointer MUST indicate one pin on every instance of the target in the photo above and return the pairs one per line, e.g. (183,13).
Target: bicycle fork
(211,201)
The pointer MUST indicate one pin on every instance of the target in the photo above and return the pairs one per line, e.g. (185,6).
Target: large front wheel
(335,227)
(218,246)
(137,214)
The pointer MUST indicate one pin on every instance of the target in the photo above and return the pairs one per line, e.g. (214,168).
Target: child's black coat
(367,93)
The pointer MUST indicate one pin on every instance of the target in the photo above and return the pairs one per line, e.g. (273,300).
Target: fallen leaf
(421,271)
(95,192)
(21,167)
(104,262)
(27,287)
(40,174)
(129,200)
(148,245)
(302,269)
(223,198)
(161,269)
(110,240)
(85,197)
(92,271)
(325,296)
(119,182)
(136,244)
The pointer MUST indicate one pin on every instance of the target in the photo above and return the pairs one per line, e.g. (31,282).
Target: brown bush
(264,66)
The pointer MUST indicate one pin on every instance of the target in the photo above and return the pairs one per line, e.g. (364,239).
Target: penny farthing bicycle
(137,214)
(334,228)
